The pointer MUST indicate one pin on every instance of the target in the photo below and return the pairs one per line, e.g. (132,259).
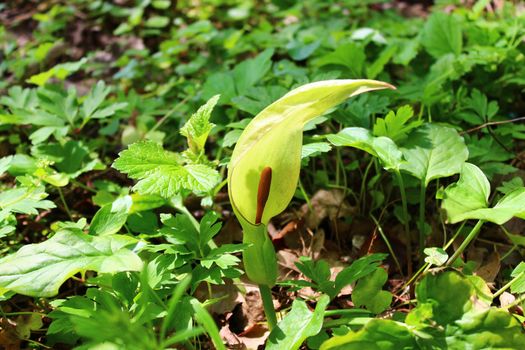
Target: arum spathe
(264,168)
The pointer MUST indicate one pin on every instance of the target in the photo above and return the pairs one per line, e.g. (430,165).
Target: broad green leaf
(396,125)
(358,269)
(468,199)
(40,269)
(449,293)
(368,292)
(161,172)
(433,151)
(299,324)
(274,139)
(249,72)
(378,334)
(351,56)
(471,192)
(110,218)
(314,149)
(493,329)
(442,35)
(198,127)
(381,147)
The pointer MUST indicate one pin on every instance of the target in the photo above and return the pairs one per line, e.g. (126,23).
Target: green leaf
(274,139)
(40,269)
(204,318)
(435,256)
(381,147)
(442,35)
(368,292)
(249,72)
(449,293)
(110,218)
(299,324)
(351,56)
(95,98)
(468,199)
(198,127)
(377,334)
(60,71)
(396,125)
(314,149)
(160,172)
(434,151)
(24,200)
(358,269)
(518,285)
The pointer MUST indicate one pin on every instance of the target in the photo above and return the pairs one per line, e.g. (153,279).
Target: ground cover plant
(222,174)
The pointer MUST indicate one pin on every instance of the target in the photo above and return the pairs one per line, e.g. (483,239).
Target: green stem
(389,246)
(271,316)
(66,208)
(426,266)
(305,195)
(507,286)
(363,185)
(405,215)
(422,193)
(472,234)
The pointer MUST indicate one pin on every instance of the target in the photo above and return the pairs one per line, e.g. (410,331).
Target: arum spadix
(264,167)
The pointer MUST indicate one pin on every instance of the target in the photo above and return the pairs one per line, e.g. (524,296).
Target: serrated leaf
(40,269)
(24,200)
(198,127)
(160,172)
(396,125)
(434,151)
(299,324)
(442,35)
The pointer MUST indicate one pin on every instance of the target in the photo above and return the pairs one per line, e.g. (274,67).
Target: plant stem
(389,246)
(472,234)
(505,287)
(405,214)
(422,233)
(363,186)
(424,268)
(266,295)
(66,208)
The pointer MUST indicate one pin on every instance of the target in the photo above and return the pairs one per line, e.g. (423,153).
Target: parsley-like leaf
(161,172)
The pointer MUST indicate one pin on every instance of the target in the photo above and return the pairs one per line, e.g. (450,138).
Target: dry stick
(484,125)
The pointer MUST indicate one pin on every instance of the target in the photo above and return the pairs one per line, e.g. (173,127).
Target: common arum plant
(265,164)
